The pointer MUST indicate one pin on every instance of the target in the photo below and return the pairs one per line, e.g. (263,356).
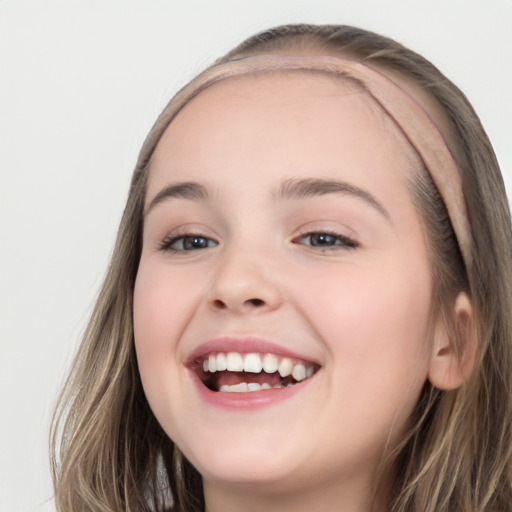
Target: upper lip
(243,346)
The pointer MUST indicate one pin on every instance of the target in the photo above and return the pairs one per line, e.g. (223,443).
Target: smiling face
(280,235)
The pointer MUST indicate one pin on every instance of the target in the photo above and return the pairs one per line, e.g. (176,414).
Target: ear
(453,359)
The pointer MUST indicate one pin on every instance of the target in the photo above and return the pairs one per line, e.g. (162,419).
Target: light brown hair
(110,454)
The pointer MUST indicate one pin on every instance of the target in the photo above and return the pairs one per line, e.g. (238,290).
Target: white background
(80,84)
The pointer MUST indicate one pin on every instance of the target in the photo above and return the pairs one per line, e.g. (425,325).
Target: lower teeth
(245,387)
(213,381)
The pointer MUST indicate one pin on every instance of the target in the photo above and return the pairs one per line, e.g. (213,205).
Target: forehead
(271,102)
(298,121)
(286,92)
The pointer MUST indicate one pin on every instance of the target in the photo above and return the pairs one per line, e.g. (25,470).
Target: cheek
(384,319)
(163,301)
(160,305)
(376,328)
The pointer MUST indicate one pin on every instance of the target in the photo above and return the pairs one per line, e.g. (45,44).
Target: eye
(187,243)
(326,240)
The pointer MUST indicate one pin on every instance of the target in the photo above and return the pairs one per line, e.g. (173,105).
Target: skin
(360,310)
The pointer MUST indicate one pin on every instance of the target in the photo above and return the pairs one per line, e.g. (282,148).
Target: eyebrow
(289,189)
(183,190)
(313,187)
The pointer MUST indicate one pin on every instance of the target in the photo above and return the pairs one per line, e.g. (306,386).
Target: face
(280,236)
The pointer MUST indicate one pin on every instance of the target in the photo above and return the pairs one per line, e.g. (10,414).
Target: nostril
(219,304)
(255,302)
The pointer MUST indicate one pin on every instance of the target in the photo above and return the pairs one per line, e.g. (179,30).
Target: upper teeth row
(255,363)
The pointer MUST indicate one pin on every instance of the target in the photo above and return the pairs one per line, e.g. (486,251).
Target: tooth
(221,362)
(205,365)
(299,372)
(285,367)
(243,387)
(270,363)
(289,385)
(211,364)
(252,363)
(235,362)
(266,385)
(310,370)
(277,386)
(253,386)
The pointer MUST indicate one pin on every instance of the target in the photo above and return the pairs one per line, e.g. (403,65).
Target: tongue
(232,378)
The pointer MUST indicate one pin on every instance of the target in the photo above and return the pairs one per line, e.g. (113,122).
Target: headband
(406,112)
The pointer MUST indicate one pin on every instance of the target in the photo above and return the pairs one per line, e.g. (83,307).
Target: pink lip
(243,346)
(242,401)
(245,401)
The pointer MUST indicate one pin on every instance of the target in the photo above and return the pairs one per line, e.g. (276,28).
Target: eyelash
(167,243)
(340,242)
(332,241)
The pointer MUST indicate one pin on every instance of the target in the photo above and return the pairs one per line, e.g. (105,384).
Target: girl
(308,303)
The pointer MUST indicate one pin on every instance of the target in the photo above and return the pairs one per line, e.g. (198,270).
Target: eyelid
(348,242)
(164,244)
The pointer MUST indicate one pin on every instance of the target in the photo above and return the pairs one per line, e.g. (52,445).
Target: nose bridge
(245,279)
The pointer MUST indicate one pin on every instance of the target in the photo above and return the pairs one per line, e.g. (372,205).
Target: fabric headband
(407,113)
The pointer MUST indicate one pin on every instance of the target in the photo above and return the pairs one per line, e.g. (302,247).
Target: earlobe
(454,349)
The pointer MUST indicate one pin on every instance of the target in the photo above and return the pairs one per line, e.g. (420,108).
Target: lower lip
(245,401)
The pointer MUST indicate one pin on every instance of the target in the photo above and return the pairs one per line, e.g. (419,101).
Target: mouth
(237,372)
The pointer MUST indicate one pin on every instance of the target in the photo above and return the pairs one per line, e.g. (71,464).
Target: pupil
(195,242)
(322,239)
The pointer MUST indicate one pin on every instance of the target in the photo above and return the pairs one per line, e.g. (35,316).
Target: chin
(249,468)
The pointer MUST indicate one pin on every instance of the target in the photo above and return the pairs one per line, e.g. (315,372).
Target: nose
(245,282)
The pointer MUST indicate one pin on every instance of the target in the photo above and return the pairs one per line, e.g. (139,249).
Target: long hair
(110,454)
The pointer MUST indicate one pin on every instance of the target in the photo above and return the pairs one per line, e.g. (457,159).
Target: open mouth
(234,372)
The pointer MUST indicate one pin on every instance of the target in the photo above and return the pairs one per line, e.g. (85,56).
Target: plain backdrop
(80,84)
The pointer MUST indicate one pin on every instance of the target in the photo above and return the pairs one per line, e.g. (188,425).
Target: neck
(350,496)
